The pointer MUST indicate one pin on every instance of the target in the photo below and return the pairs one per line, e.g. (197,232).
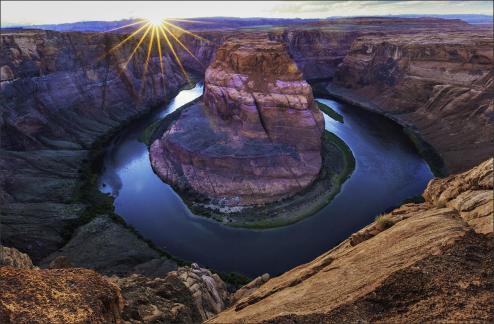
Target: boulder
(188,295)
(57,296)
(13,258)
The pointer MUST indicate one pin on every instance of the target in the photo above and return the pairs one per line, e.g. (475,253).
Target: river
(388,170)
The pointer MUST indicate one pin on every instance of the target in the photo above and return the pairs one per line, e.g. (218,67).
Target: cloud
(47,12)
(313,9)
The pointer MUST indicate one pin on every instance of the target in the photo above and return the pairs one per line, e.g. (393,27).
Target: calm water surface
(388,170)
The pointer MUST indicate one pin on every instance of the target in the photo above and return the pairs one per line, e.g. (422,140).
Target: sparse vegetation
(384,221)
(330,112)
(337,165)
(428,153)
(147,134)
(441,204)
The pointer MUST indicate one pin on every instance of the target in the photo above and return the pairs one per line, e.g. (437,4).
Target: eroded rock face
(256,138)
(435,256)
(59,94)
(437,81)
(433,75)
(123,253)
(188,295)
(13,258)
(469,193)
(57,296)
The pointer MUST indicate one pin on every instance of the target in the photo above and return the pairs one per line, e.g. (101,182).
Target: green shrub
(330,112)
(384,221)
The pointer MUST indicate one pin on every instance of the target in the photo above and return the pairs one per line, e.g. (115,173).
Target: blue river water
(388,170)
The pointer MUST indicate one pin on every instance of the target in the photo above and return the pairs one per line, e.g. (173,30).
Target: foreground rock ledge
(420,263)
(57,296)
(256,138)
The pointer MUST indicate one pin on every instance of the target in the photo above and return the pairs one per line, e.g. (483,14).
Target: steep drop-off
(420,263)
(423,262)
(440,85)
(257,136)
(60,94)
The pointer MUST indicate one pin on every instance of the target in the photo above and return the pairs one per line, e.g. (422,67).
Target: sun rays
(158,35)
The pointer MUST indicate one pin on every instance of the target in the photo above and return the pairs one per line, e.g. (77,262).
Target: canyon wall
(256,138)
(438,83)
(59,95)
(317,52)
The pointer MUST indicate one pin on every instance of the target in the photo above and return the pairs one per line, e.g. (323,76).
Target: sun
(155,20)
(154,32)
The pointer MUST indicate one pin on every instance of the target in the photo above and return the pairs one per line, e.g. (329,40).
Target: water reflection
(388,170)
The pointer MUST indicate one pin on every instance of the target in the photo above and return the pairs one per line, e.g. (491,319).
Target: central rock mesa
(255,138)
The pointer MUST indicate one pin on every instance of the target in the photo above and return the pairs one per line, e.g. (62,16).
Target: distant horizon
(29,13)
(273,18)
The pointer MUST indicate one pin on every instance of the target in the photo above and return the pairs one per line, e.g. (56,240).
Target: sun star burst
(157,33)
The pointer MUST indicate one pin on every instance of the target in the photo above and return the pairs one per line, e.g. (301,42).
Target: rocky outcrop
(65,294)
(254,83)
(249,288)
(59,95)
(129,253)
(469,193)
(13,258)
(256,138)
(208,290)
(57,296)
(188,295)
(431,262)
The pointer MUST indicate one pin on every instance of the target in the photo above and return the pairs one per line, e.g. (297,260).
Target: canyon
(63,95)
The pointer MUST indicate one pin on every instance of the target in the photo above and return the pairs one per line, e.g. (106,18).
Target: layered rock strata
(60,93)
(431,75)
(439,83)
(256,138)
(423,262)
(188,295)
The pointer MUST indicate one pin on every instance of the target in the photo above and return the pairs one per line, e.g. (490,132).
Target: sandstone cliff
(60,94)
(420,263)
(256,138)
(440,85)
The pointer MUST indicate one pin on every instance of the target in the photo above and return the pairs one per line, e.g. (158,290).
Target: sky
(55,12)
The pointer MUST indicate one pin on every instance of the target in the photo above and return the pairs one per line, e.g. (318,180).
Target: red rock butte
(255,138)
